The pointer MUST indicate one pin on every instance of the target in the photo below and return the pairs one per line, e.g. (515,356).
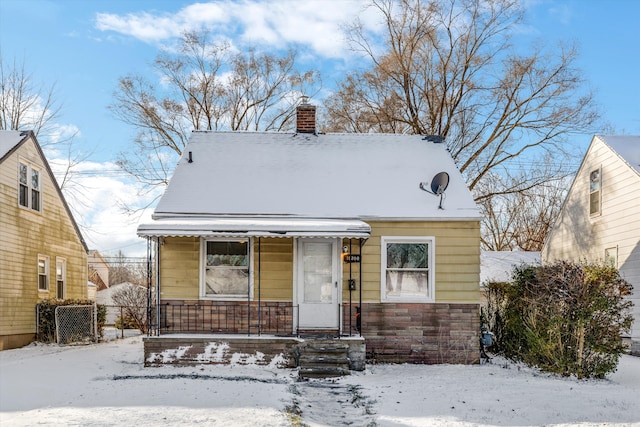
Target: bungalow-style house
(308,235)
(600,218)
(42,252)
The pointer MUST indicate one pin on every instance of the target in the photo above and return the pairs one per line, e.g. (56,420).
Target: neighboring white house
(497,266)
(105,297)
(600,218)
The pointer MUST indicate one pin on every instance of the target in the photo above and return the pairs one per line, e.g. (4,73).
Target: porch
(277,318)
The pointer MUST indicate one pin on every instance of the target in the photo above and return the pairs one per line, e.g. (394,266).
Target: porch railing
(267,318)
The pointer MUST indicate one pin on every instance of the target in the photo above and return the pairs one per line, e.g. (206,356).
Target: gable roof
(10,142)
(331,176)
(627,147)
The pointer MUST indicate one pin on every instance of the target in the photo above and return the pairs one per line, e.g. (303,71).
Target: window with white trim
(407,269)
(225,267)
(611,256)
(43,273)
(29,186)
(61,277)
(595,183)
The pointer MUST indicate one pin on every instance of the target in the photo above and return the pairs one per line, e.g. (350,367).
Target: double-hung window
(29,186)
(226,269)
(61,277)
(611,256)
(407,269)
(595,184)
(43,273)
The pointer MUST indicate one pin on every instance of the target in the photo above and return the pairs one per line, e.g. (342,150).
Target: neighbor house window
(43,273)
(595,183)
(407,269)
(61,277)
(226,269)
(611,257)
(29,186)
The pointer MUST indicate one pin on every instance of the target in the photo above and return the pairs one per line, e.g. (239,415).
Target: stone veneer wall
(421,333)
(281,352)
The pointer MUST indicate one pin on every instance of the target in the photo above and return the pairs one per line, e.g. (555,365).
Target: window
(61,277)
(29,187)
(595,181)
(226,269)
(407,269)
(611,257)
(43,273)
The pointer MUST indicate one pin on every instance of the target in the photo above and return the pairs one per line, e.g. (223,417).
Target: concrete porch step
(322,358)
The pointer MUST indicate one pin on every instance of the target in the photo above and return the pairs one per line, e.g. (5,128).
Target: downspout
(259,285)
(157,268)
(249,291)
(350,290)
(360,286)
(149,287)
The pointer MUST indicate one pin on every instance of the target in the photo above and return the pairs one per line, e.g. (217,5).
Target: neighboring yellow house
(309,233)
(42,252)
(600,217)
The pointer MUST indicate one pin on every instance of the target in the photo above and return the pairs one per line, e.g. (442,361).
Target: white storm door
(317,283)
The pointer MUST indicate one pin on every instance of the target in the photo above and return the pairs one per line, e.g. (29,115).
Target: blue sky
(84,46)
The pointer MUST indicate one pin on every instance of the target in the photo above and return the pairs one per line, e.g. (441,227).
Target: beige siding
(27,234)
(580,236)
(276,269)
(457,258)
(457,269)
(179,268)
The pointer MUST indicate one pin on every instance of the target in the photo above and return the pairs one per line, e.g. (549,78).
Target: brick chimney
(305,116)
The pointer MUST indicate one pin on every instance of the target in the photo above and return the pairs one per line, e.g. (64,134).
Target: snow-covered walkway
(106,385)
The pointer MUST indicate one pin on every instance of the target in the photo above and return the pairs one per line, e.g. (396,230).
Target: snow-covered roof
(627,147)
(327,176)
(8,140)
(498,265)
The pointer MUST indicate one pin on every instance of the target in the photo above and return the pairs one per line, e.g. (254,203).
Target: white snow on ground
(106,385)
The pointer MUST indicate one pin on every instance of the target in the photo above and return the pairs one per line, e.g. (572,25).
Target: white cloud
(95,196)
(316,24)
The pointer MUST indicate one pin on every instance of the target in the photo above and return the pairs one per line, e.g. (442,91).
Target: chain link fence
(76,324)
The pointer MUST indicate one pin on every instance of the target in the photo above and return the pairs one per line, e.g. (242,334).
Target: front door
(317,283)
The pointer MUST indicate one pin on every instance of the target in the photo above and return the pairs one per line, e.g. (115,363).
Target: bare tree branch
(448,68)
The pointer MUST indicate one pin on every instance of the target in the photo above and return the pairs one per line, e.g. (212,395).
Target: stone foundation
(280,352)
(421,333)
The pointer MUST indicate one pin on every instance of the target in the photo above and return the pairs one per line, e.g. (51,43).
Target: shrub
(125,323)
(565,317)
(133,299)
(47,317)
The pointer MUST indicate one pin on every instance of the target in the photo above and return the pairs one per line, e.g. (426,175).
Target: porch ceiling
(255,226)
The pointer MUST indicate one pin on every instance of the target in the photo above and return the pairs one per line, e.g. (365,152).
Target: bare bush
(133,299)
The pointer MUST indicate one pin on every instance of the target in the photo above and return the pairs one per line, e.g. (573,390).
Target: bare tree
(204,86)
(25,105)
(522,220)
(127,269)
(447,67)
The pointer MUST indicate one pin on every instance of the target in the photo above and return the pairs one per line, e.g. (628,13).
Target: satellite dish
(439,184)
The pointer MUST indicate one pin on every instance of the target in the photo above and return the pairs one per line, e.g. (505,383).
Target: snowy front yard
(106,384)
